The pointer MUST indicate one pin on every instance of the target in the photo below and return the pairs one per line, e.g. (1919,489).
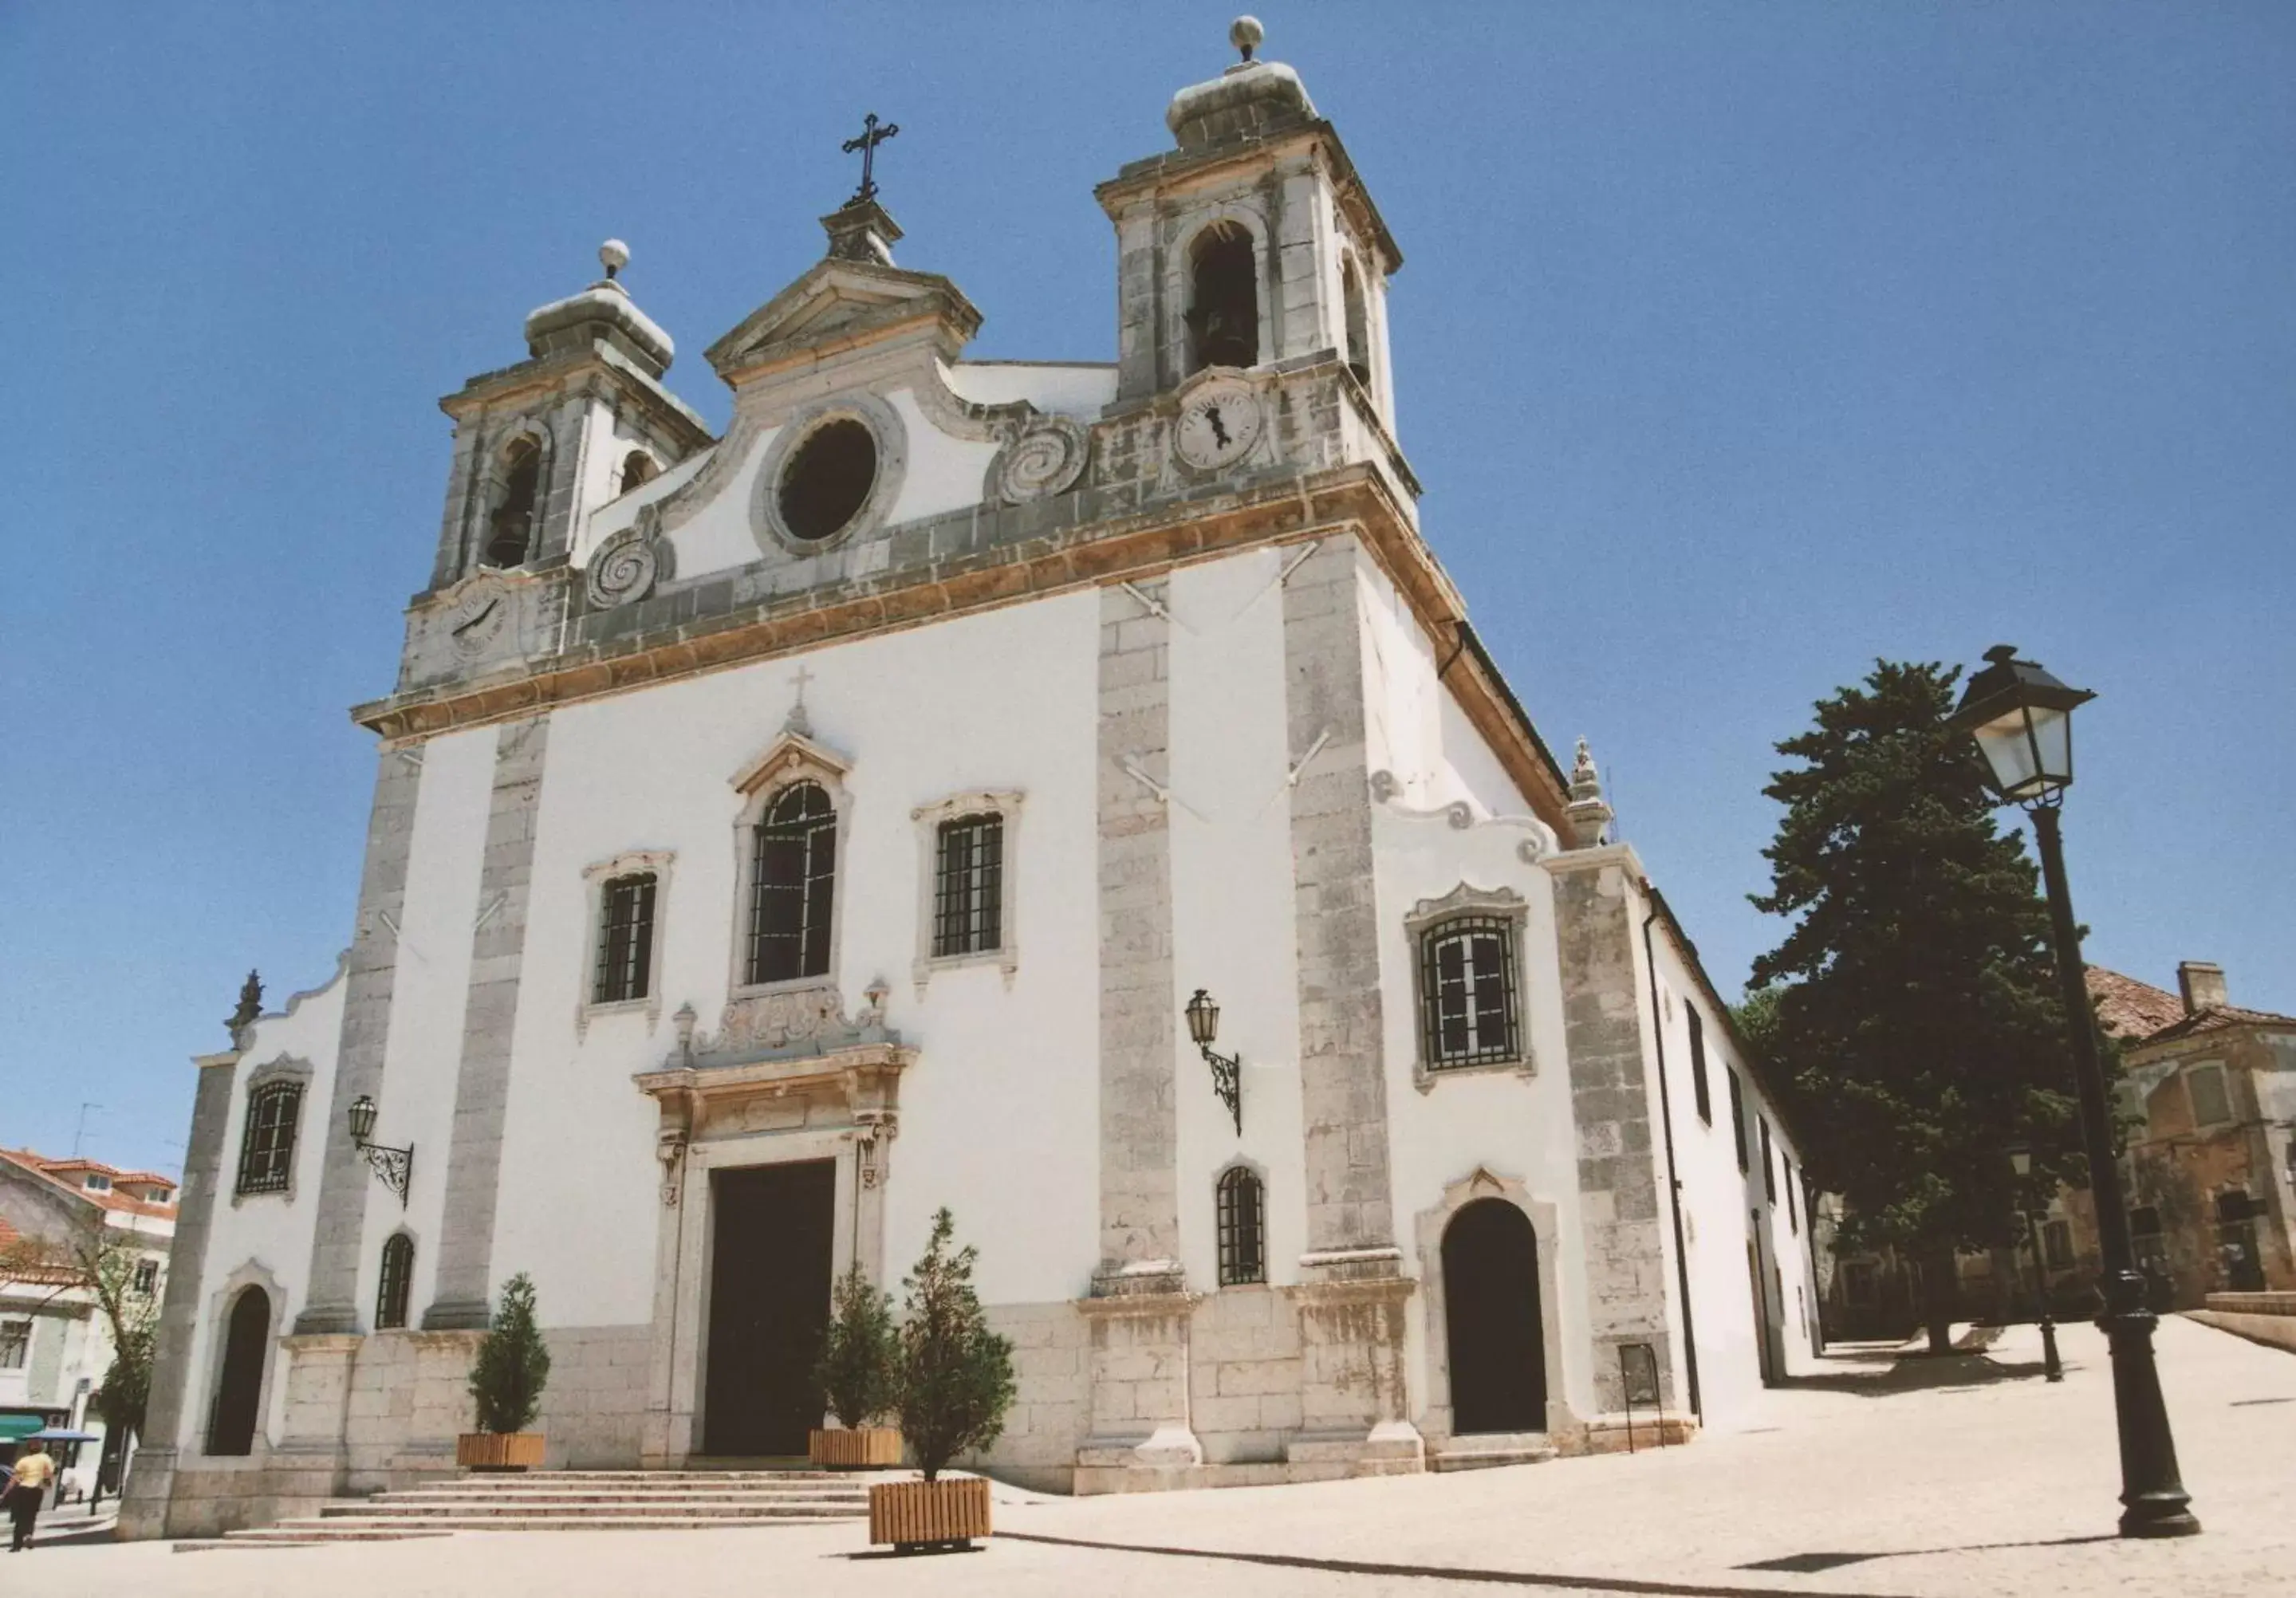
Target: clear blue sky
(1738,344)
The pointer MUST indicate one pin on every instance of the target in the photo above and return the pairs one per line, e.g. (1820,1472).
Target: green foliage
(956,1375)
(126,1387)
(857,1370)
(513,1364)
(1910,1015)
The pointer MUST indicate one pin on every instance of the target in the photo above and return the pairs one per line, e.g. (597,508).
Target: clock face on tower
(1218,424)
(480,615)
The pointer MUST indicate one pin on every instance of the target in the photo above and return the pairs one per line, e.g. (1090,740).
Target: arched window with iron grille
(267,1144)
(1242,1212)
(1467,992)
(792,886)
(398,1278)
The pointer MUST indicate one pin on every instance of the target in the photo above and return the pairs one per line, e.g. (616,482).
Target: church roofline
(1357,497)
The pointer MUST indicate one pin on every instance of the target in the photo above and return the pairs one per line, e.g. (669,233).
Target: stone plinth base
(1138,1330)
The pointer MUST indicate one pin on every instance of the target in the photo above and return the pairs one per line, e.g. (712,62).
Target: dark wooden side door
(769,1276)
(1490,1303)
(239,1389)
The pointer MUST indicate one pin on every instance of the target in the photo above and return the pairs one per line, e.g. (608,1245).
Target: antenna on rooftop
(80,1131)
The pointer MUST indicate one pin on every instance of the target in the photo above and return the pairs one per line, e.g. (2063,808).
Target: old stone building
(2209,1093)
(780,836)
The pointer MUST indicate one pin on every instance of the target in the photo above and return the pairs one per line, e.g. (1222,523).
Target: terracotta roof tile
(2217,1018)
(2131,1009)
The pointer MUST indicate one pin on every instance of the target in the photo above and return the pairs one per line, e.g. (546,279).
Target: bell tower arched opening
(509,530)
(1223,299)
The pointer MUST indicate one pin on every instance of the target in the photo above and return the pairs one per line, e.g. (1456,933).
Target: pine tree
(513,1364)
(857,1371)
(956,1376)
(1914,1021)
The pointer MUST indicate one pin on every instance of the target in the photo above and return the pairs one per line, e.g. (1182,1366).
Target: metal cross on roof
(873,134)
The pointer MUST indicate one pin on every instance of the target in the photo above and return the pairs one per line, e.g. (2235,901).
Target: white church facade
(779,837)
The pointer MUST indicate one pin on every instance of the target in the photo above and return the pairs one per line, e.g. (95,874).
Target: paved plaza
(1916,1477)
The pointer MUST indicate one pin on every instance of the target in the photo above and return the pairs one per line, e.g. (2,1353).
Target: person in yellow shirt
(28,1485)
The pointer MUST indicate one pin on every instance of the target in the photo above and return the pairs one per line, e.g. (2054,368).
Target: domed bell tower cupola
(1253,241)
(583,420)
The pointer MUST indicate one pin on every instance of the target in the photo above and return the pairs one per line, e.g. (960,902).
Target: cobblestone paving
(1921,1478)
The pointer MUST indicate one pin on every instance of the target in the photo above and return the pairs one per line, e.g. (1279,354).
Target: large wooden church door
(768,1305)
(1490,1301)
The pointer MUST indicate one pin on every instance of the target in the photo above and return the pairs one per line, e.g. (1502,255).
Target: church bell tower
(1252,242)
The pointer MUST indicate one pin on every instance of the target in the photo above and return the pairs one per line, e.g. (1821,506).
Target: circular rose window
(828,480)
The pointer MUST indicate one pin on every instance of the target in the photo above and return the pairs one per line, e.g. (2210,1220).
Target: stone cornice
(1351,498)
(509,384)
(1181,167)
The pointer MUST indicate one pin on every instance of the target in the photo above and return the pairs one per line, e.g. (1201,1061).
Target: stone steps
(576,1501)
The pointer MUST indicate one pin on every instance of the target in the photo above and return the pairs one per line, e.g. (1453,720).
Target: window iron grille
(1467,993)
(398,1276)
(1242,1209)
(969,886)
(1738,1118)
(1698,1064)
(625,940)
(792,886)
(266,1147)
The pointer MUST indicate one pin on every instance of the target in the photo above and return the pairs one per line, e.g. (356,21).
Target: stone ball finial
(613,255)
(1245,34)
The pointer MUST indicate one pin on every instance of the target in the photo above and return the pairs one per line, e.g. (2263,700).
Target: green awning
(15,1428)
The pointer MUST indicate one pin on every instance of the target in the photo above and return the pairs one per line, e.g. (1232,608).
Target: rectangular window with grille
(1738,1116)
(1698,1064)
(1467,993)
(15,1344)
(1242,1228)
(266,1148)
(625,940)
(1769,1179)
(969,886)
(1793,1212)
(2057,1244)
(147,1277)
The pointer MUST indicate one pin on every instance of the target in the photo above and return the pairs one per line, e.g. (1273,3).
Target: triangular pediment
(843,300)
(789,757)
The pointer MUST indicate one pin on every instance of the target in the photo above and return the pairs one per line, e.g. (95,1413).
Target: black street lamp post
(2021,719)
(2020,1161)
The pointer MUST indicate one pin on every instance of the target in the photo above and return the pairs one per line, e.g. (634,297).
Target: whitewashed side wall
(1415,727)
(998,1116)
(1724,1208)
(268,1231)
(1234,930)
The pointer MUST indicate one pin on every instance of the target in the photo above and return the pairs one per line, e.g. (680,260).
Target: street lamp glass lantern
(362,1114)
(2020,1159)
(1203,1019)
(2021,719)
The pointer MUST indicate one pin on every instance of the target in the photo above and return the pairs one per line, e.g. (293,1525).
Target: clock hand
(481,616)
(1219,433)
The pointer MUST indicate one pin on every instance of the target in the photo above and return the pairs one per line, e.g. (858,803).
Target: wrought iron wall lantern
(1227,1069)
(394,1168)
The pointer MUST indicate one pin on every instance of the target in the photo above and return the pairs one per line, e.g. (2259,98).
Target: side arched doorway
(239,1383)
(1490,1293)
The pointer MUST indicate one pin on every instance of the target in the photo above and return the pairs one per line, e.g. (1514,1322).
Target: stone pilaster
(1620,1230)
(1351,1322)
(143,1509)
(1138,1306)
(490,1012)
(371,972)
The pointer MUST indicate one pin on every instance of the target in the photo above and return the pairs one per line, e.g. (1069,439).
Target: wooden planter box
(947,1514)
(856,1449)
(499,1450)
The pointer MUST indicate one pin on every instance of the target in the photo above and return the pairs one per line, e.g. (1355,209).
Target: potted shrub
(857,1377)
(955,1383)
(507,1379)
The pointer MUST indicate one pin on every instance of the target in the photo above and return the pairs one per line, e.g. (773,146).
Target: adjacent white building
(779,837)
(59,1220)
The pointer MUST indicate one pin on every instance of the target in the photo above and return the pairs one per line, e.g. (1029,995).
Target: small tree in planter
(858,1377)
(955,1385)
(506,1378)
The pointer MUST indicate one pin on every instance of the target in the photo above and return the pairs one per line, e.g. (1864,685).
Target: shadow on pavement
(1811,1564)
(1459,1573)
(1926,1372)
